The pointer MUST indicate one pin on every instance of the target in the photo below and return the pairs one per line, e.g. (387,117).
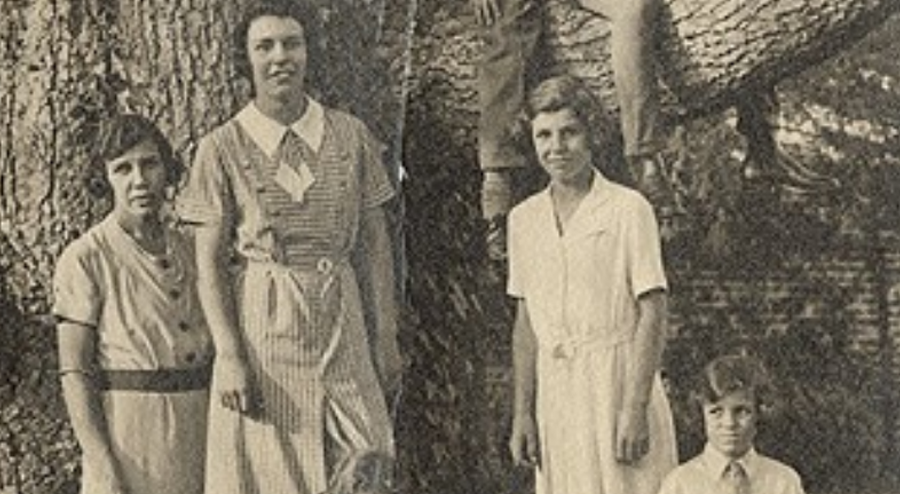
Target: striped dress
(299,306)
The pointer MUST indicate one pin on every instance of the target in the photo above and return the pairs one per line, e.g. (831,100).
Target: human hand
(233,384)
(523,442)
(487,12)
(632,435)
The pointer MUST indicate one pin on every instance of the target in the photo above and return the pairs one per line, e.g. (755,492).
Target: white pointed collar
(267,133)
(716,462)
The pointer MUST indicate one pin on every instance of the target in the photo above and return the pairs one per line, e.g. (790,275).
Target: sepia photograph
(441,247)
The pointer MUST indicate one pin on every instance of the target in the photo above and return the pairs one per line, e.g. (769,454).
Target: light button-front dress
(146,315)
(298,301)
(581,290)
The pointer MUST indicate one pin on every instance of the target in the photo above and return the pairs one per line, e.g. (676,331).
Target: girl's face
(276,47)
(561,142)
(138,181)
(731,423)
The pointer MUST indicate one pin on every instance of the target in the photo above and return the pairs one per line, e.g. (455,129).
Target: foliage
(827,422)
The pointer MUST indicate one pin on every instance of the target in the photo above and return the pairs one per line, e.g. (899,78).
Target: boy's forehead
(736,397)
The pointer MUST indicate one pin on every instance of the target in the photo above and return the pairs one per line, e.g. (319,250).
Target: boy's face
(731,423)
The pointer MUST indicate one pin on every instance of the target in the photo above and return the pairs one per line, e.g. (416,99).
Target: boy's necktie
(737,479)
(294,172)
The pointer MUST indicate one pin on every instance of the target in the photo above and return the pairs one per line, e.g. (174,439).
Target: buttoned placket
(565,347)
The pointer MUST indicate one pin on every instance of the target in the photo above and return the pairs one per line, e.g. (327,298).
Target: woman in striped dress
(295,276)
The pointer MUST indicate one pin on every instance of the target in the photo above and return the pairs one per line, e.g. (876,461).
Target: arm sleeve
(375,185)
(206,197)
(77,295)
(645,266)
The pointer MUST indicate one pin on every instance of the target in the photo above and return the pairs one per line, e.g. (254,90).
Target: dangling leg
(765,166)
(633,27)
(510,41)
(756,115)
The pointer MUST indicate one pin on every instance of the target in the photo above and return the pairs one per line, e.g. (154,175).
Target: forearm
(376,275)
(524,363)
(215,293)
(649,343)
(216,299)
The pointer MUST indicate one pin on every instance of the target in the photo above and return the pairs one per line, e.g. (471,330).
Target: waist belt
(155,381)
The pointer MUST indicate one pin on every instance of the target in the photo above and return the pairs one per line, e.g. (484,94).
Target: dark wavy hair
(567,92)
(116,136)
(735,373)
(301,11)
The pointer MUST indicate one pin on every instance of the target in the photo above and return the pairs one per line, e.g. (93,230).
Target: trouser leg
(509,45)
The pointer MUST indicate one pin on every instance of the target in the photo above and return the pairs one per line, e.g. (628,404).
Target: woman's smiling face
(276,47)
(562,145)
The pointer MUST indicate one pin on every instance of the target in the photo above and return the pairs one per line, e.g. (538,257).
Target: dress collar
(598,194)
(267,133)
(583,220)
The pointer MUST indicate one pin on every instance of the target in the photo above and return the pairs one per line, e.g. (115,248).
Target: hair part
(567,92)
(116,137)
(301,11)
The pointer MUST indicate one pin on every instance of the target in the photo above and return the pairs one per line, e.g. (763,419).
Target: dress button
(183,326)
(175,293)
(324,265)
(190,357)
(164,263)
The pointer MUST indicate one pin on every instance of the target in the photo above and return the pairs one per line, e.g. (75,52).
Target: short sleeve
(645,266)
(76,287)
(206,197)
(375,184)
(515,283)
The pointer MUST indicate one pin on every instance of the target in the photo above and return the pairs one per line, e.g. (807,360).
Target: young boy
(732,391)
(510,30)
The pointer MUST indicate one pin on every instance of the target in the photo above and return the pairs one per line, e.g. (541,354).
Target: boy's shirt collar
(268,133)
(715,462)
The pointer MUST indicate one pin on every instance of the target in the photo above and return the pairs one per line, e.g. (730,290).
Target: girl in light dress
(134,348)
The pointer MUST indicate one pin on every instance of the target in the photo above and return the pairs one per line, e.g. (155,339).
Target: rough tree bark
(64,66)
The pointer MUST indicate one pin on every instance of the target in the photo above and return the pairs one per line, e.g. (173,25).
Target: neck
(147,231)
(285,110)
(573,189)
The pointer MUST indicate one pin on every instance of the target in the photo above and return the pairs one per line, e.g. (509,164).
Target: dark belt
(155,381)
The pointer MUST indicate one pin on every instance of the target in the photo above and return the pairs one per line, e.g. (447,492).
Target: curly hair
(735,373)
(567,92)
(117,135)
(302,11)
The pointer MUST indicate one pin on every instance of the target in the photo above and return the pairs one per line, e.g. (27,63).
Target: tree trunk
(64,66)
(67,64)
(709,51)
